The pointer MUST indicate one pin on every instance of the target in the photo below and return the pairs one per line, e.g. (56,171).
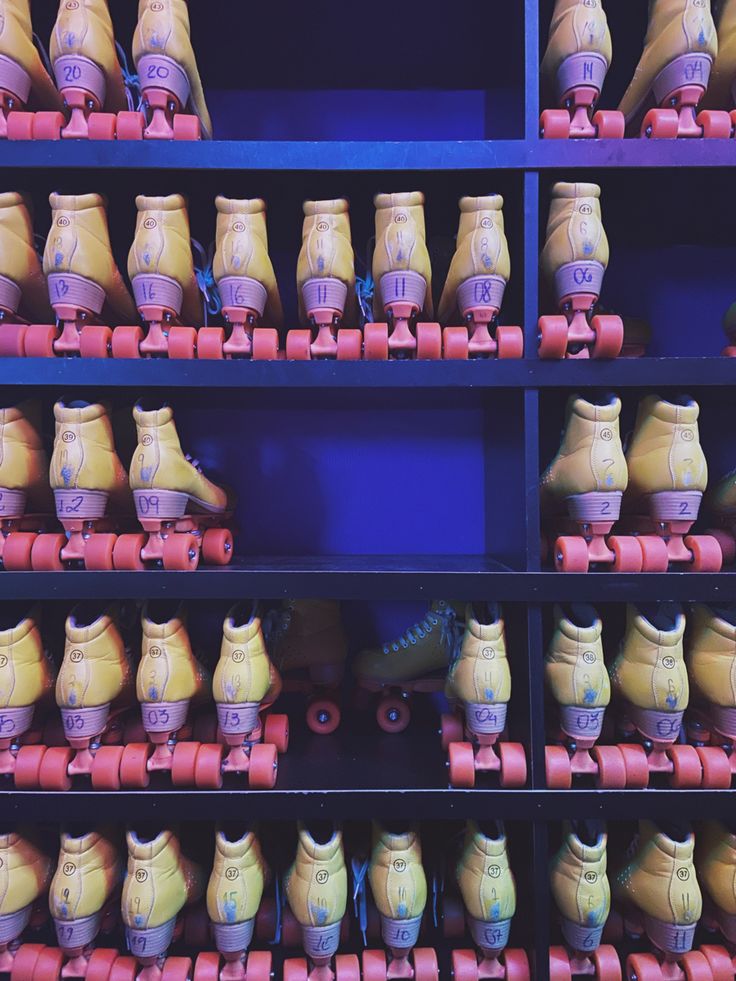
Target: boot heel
(10,295)
(675,505)
(481,291)
(321,941)
(400,934)
(489,936)
(485,719)
(151,942)
(575,278)
(243,293)
(232,937)
(326,293)
(237,718)
(69,291)
(74,74)
(82,504)
(403,287)
(581,937)
(12,503)
(12,925)
(655,724)
(77,933)
(84,723)
(159,292)
(687,71)
(581,723)
(595,506)
(159,73)
(583,70)
(164,716)
(670,937)
(15,80)
(160,505)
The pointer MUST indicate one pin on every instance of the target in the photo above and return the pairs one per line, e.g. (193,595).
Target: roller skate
(479,684)
(87,477)
(720,503)
(24,79)
(234,896)
(672,75)
(325,279)
(245,278)
(159,884)
(667,477)
(25,874)
(244,686)
(577,680)
(308,647)
(574,259)
(417,661)
(583,898)
(403,278)
(399,889)
(661,897)
(573,71)
(721,92)
(476,281)
(181,511)
(710,655)
(85,287)
(25,496)
(587,479)
(715,861)
(168,680)
(316,890)
(650,683)
(22,286)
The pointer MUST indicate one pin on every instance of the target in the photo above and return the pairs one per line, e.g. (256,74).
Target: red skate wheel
(28,767)
(716,124)
(517,964)
(513,764)
(716,767)
(557,768)
(607,963)
(264,763)
(451,729)
(726,541)
(707,555)
(217,546)
(637,765)
(102,126)
(347,967)
(46,553)
(453,917)
(12,340)
(611,767)
(720,962)
(53,773)
(374,965)
(609,336)
(208,766)
(24,961)
(182,343)
(187,127)
(510,341)
(393,714)
(17,551)
(654,555)
(20,125)
(462,765)
(95,341)
(695,966)
(455,343)
(124,969)
(610,124)
(276,732)
(429,342)
(265,344)
(127,552)
(49,964)
(209,343)
(100,964)
(464,965)
(130,125)
(207,967)
(295,969)
(177,969)
(259,966)
(552,332)
(126,341)
(323,716)
(425,964)
(106,768)
(554,124)
(39,341)
(47,125)
(184,764)
(375,342)
(134,765)
(299,345)
(571,554)
(559,964)
(627,556)
(98,552)
(660,124)
(181,552)
(349,344)
(687,770)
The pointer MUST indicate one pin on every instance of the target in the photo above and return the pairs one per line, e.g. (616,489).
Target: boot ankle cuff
(89,631)
(170,202)
(16,633)
(562,189)
(76,202)
(402,199)
(336,206)
(239,206)
(593,412)
(87,412)
(234,849)
(489,202)
(672,413)
(152,418)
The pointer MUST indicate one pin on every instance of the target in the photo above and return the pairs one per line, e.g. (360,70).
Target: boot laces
(131,81)
(443,618)
(204,273)
(194,462)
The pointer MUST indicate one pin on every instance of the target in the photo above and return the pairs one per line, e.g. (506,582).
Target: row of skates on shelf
(689,61)
(650,495)
(115,720)
(164,899)
(665,709)
(83,89)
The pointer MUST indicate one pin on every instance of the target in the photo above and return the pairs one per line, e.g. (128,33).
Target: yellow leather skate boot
(165,63)
(317,890)
(85,63)
(649,672)
(660,882)
(25,872)
(24,465)
(26,677)
(244,273)
(715,860)
(580,885)
(487,886)
(710,656)
(23,75)
(679,50)
(160,882)
(88,874)
(399,888)
(234,891)
(721,92)
(21,279)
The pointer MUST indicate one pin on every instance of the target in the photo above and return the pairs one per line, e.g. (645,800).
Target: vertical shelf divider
(531,69)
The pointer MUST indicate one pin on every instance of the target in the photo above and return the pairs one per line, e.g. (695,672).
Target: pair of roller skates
(686,61)
(90,94)
(664,474)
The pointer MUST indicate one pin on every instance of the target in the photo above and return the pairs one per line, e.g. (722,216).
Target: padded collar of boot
(165,627)
(684,412)
(491,630)
(593,411)
(660,635)
(488,202)
(169,202)
(234,849)
(79,411)
(583,614)
(679,850)
(76,202)
(13,199)
(493,847)
(147,850)
(397,842)
(239,206)
(12,635)
(720,621)
(80,633)
(79,844)
(9,840)
(337,206)
(152,418)
(563,189)
(320,851)
(400,199)
(583,852)
(240,632)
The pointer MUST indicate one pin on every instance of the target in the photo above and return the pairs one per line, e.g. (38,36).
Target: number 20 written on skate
(72,73)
